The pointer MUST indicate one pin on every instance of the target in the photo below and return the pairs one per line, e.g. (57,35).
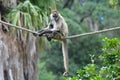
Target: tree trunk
(18,57)
(92,24)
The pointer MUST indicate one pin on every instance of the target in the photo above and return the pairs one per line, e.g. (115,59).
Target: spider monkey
(56,28)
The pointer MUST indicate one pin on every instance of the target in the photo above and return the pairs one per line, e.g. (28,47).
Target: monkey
(58,26)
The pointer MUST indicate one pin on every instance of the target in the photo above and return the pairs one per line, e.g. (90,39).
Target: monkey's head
(54,16)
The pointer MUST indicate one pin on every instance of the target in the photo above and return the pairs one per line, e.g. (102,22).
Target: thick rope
(18,27)
(90,33)
(68,37)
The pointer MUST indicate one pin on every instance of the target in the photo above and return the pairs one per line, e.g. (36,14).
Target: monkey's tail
(65,54)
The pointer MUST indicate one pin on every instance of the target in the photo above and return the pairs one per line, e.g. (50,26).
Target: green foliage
(111,50)
(110,70)
(44,74)
(47,5)
(115,3)
(32,16)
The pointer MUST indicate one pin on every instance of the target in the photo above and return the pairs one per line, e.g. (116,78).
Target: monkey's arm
(50,34)
(42,32)
(48,31)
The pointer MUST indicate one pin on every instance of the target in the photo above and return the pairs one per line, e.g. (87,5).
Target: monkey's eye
(55,15)
(51,26)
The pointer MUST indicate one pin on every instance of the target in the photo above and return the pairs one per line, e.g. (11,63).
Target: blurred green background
(82,16)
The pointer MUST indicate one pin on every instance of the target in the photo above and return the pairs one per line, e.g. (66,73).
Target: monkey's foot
(65,74)
(49,38)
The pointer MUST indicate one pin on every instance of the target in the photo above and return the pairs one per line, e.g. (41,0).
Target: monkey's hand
(40,31)
(56,34)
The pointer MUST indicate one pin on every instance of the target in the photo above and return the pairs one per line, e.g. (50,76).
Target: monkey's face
(54,16)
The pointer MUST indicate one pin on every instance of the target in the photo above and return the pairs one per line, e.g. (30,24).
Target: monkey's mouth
(56,18)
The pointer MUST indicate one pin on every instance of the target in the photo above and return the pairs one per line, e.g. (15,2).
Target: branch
(86,15)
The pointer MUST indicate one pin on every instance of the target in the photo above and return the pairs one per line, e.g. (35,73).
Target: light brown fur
(59,24)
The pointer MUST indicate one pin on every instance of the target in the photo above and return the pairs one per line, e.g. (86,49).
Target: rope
(68,37)
(18,27)
(90,33)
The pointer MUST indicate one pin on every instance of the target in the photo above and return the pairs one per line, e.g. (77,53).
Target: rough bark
(9,3)
(18,57)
